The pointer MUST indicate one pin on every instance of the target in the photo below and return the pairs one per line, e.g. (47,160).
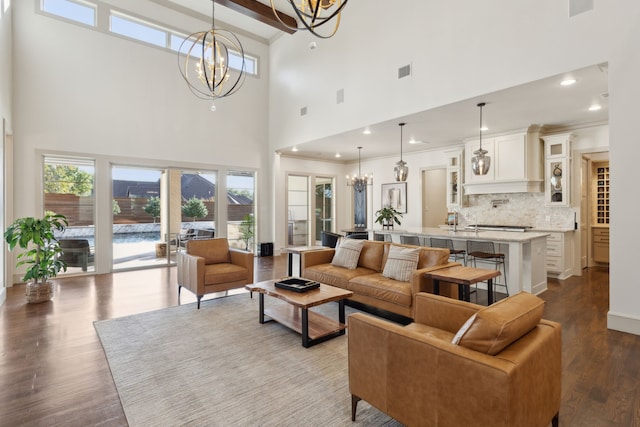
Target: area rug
(218,366)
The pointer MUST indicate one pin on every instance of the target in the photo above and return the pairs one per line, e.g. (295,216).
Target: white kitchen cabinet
(516,164)
(455,193)
(560,254)
(600,241)
(557,172)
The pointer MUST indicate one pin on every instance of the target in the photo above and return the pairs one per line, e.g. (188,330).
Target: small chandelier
(480,162)
(206,67)
(401,171)
(359,182)
(314,13)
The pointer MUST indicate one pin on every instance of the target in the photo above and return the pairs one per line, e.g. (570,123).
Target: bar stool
(448,244)
(485,252)
(381,237)
(410,240)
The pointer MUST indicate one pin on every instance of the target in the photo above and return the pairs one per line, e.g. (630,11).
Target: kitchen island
(525,252)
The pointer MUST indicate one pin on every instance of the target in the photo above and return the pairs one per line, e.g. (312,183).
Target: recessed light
(568,81)
(484,128)
(294,149)
(595,107)
(338,155)
(366,131)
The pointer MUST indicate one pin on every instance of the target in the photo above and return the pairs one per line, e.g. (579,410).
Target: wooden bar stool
(448,244)
(484,251)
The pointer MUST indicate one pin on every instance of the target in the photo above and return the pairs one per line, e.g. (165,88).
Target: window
(77,11)
(135,29)
(241,221)
(69,190)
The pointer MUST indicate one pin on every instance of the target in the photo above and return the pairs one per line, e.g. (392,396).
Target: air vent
(340,96)
(577,7)
(404,71)
(303,111)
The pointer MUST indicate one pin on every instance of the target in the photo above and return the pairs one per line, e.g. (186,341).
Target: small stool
(448,244)
(485,252)
(410,240)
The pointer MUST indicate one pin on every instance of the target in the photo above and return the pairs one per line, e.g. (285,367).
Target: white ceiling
(543,102)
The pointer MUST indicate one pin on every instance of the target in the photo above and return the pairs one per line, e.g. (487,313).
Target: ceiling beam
(260,12)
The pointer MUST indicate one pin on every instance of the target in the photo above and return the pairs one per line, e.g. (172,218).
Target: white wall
(85,92)
(459,50)
(6,61)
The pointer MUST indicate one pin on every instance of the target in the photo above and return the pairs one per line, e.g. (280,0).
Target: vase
(39,293)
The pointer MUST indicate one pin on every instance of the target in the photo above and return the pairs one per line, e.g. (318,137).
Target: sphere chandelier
(206,67)
(313,14)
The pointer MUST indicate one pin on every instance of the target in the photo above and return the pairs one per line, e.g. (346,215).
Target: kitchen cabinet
(600,244)
(600,177)
(557,173)
(560,254)
(516,164)
(455,193)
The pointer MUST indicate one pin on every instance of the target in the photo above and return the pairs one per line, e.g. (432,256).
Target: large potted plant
(387,216)
(41,254)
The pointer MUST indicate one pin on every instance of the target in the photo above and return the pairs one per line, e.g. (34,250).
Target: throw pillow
(401,263)
(463,330)
(503,323)
(348,253)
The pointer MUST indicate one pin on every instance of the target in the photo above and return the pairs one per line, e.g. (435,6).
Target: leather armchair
(209,265)
(416,375)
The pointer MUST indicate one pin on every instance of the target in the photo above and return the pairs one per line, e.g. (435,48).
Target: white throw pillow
(401,263)
(348,253)
(463,330)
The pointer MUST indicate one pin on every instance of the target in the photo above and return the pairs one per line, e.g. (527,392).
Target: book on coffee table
(297,284)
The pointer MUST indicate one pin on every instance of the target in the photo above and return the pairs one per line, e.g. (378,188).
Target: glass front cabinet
(454,179)
(557,150)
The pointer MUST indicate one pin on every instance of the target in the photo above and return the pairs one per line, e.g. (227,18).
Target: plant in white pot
(41,254)
(387,216)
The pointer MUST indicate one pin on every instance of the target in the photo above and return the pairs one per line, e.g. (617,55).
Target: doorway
(434,197)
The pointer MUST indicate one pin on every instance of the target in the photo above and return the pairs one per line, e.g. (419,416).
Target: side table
(298,250)
(464,277)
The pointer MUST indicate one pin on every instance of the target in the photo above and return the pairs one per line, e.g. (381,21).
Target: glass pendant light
(401,171)
(480,162)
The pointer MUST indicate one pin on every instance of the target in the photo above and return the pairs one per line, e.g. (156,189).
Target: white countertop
(496,236)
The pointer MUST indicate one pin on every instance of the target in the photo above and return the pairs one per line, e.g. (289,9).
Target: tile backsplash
(526,209)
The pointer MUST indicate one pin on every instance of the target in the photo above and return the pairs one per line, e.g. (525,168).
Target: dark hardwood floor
(53,370)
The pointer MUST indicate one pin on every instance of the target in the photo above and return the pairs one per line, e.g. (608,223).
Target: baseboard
(623,323)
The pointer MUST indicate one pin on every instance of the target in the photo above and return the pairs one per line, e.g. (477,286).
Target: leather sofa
(209,265)
(504,371)
(369,285)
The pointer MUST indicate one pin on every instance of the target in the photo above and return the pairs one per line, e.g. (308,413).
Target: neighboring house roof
(191,185)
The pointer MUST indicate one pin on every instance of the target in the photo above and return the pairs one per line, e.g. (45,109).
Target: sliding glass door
(138,205)
(69,190)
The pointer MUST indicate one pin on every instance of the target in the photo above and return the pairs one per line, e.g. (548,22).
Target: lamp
(314,13)
(480,162)
(401,171)
(359,182)
(206,67)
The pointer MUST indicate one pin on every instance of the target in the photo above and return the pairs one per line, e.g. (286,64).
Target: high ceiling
(544,102)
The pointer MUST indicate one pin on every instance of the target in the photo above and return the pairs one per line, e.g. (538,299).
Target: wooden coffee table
(314,327)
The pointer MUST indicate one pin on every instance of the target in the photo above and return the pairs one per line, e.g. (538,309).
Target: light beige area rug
(218,366)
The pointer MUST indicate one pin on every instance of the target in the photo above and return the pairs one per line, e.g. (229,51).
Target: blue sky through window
(70,10)
(138,31)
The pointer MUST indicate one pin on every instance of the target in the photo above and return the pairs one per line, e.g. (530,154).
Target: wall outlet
(547,218)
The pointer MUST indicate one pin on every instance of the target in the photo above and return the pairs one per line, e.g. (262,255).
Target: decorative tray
(297,284)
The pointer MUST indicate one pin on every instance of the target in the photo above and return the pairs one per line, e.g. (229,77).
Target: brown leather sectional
(368,284)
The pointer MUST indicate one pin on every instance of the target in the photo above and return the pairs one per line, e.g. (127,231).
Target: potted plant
(42,252)
(387,216)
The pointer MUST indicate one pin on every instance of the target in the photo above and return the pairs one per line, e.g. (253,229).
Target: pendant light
(359,182)
(204,62)
(401,171)
(480,162)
